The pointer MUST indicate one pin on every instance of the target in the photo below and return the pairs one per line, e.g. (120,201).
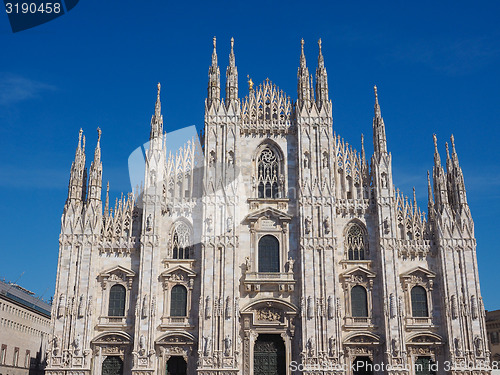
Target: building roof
(24,297)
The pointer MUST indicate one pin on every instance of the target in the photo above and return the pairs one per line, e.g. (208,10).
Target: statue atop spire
(231,78)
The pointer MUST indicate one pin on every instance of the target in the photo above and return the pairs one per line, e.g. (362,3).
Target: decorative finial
(452,139)
(435,143)
(98,135)
(447,151)
(215,42)
(159,87)
(319,45)
(375,90)
(232,44)
(80,137)
(302,43)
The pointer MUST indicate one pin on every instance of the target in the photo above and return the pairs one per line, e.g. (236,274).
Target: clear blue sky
(436,65)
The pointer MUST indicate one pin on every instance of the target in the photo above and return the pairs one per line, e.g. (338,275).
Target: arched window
(178,301)
(355,242)
(269,254)
(268,174)
(117,295)
(359,304)
(181,242)
(419,302)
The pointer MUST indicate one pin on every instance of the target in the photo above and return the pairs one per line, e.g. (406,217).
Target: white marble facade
(275,233)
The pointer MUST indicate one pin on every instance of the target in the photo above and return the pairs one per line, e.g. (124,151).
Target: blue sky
(436,65)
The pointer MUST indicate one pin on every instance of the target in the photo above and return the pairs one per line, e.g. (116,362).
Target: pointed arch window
(355,242)
(269,254)
(359,302)
(117,296)
(181,242)
(178,301)
(419,306)
(268,174)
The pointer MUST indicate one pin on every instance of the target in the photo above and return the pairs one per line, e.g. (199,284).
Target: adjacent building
(274,247)
(493,328)
(24,331)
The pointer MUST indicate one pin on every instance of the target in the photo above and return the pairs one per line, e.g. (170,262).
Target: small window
(494,337)
(359,304)
(117,301)
(178,301)
(355,243)
(15,361)
(3,354)
(269,254)
(419,302)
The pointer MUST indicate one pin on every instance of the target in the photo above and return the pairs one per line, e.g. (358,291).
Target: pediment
(425,338)
(113,338)
(366,338)
(268,212)
(119,271)
(178,271)
(176,338)
(416,271)
(359,270)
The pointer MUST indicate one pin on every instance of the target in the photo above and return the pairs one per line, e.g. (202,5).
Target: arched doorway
(269,355)
(362,366)
(112,365)
(176,365)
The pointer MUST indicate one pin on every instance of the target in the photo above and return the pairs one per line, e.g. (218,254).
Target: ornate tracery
(181,241)
(268,174)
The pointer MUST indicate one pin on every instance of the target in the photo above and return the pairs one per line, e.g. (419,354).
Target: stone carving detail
(310,347)
(62,306)
(310,307)
(229,311)
(473,306)
(392,305)
(458,347)
(269,314)
(308,223)
(331,346)
(81,307)
(478,344)
(330,308)
(208,308)
(207,342)
(327,224)
(227,346)
(145,307)
(454,307)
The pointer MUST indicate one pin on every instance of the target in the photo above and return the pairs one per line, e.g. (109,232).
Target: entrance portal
(363,366)
(112,365)
(176,366)
(269,355)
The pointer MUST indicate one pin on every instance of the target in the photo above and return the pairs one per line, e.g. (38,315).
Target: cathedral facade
(270,246)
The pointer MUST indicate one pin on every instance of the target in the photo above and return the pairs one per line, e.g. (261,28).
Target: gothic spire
(231,77)
(321,79)
(95,179)
(157,118)
(379,138)
(303,84)
(430,200)
(213,78)
(456,177)
(78,175)
(439,178)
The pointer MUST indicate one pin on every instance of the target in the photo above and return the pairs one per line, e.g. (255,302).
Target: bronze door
(269,355)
